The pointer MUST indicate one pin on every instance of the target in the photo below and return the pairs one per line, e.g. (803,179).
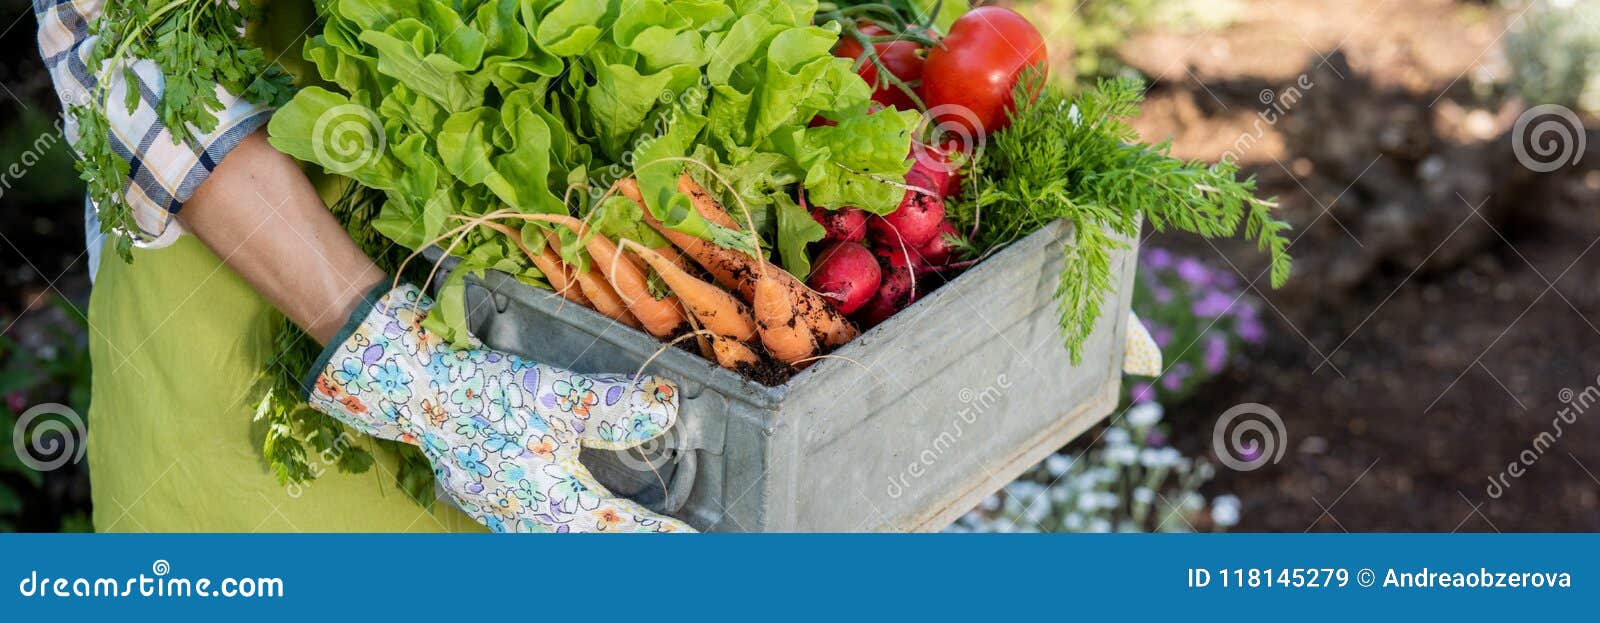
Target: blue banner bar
(824,577)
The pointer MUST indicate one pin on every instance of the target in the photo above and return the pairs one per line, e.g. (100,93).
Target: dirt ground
(1444,307)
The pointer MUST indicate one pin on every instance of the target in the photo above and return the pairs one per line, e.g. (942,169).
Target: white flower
(1099,525)
(1027,490)
(1144,414)
(1036,514)
(1149,457)
(1225,511)
(1117,437)
(1073,522)
(1060,495)
(1122,455)
(1193,501)
(1088,502)
(1057,465)
(1170,456)
(1127,526)
(991,503)
(1005,525)
(1144,495)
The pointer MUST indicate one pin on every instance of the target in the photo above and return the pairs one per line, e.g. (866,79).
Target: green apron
(177,341)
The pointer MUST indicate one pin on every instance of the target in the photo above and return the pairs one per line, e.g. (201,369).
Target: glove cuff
(357,317)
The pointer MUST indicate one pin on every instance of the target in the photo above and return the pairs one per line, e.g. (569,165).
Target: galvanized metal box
(908,427)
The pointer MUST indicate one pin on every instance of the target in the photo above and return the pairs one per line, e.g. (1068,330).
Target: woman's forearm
(260,214)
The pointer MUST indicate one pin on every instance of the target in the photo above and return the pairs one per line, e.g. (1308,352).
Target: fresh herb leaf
(1077,158)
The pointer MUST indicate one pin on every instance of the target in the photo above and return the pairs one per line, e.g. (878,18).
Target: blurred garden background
(1431,360)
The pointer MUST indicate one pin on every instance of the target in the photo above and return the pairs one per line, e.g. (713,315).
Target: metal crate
(910,426)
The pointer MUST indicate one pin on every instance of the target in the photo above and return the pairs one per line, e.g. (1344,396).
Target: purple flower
(1216,355)
(1162,336)
(1192,271)
(1212,305)
(1161,294)
(1155,438)
(1250,330)
(1158,258)
(16,401)
(1174,378)
(1142,392)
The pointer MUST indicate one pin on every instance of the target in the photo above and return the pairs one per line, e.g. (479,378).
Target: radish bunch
(869,266)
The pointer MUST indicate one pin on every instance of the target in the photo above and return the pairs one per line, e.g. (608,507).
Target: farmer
(234,234)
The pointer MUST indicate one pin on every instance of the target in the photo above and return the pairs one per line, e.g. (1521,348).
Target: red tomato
(901,58)
(976,66)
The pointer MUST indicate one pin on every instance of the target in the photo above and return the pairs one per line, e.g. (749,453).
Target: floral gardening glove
(502,432)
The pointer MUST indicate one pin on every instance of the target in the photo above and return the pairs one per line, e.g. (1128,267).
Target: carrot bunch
(748,307)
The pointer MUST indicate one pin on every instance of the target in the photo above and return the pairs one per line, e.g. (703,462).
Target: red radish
(842,225)
(895,256)
(936,252)
(914,221)
(847,275)
(937,166)
(897,292)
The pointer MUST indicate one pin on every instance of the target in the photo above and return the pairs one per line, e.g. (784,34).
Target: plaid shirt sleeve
(162,174)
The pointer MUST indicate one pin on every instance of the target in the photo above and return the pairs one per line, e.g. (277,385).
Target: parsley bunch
(1076,158)
(197,46)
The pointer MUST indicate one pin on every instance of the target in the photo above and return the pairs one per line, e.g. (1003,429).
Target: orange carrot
(718,311)
(548,262)
(738,271)
(782,330)
(660,317)
(732,354)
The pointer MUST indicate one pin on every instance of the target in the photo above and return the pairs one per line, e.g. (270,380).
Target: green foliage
(59,373)
(34,142)
(1076,158)
(1555,55)
(196,46)
(477,106)
(296,439)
